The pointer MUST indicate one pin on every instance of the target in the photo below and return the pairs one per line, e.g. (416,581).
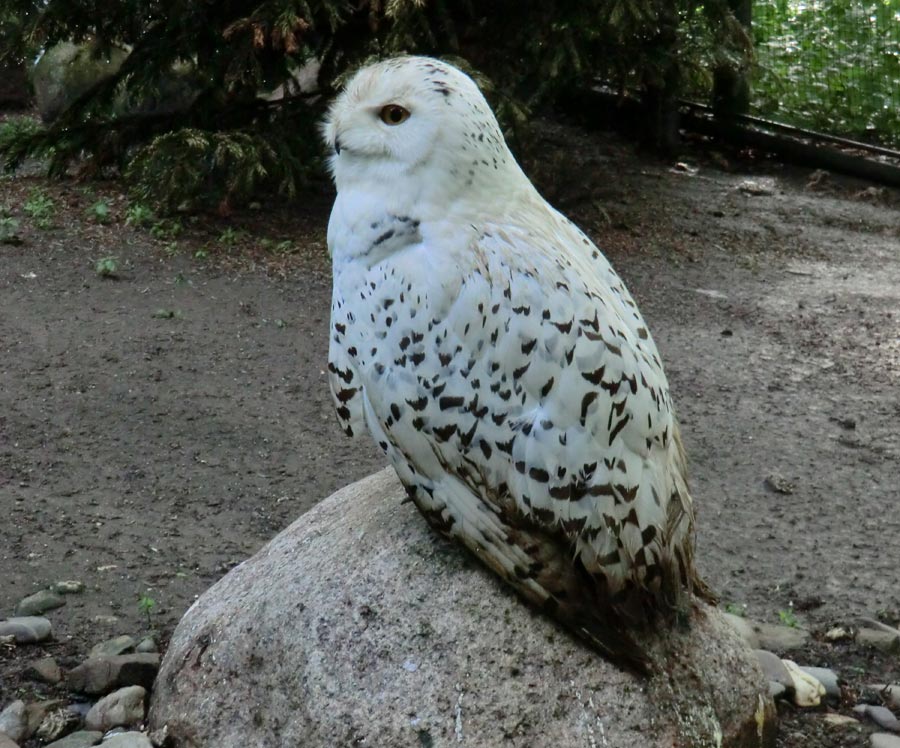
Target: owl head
(415,119)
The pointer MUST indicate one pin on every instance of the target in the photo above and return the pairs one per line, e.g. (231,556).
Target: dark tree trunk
(14,90)
(660,98)
(731,87)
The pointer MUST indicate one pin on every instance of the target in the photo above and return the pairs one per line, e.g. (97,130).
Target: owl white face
(413,117)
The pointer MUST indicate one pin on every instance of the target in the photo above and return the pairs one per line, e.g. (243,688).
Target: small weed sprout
(229,237)
(166,230)
(9,227)
(99,211)
(736,609)
(107,267)
(40,208)
(146,604)
(138,214)
(788,618)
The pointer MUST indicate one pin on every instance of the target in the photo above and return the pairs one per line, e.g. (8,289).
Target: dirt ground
(160,425)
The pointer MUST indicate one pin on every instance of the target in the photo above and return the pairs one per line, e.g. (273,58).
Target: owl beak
(337,146)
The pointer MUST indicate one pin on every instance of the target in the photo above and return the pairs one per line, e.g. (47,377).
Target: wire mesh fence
(829,65)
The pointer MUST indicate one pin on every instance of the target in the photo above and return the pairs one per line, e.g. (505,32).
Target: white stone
(838,633)
(840,720)
(807,689)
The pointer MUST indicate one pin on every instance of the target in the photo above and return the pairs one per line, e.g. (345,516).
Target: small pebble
(827,677)
(880,715)
(14,721)
(883,640)
(45,670)
(80,707)
(80,739)
(68,587)
(147,645)
(110,621)
(760,635)
(891,696)
(39,602)
(122,707)
(884,740)
(839,720)
(757,187)
(872,623)
(98,675)
(779,484)
(773,668)
(26,629)
(111,647)
(128,740)
(837,634)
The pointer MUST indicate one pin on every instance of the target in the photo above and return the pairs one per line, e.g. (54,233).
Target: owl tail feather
(624,625)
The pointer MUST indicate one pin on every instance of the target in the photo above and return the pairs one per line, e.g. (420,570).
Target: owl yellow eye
(394,114)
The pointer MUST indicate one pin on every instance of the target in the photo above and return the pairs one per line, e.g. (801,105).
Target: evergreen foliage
(232,141)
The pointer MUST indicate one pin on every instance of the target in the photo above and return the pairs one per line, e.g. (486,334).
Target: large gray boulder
(67,70)
(359,626)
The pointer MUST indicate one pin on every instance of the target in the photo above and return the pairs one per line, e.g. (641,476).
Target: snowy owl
(500,362)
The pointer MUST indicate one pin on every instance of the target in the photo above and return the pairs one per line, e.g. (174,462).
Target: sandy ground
(158,427)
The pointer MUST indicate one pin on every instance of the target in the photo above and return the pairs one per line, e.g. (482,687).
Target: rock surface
(760,635)
(880,715)
(46,670)
(357,625)
(39,602)
(26,629)
(128,740)
(827,677)
(122,707)
(67,70)
(101,674)
(14,721)
(113,647)
(56,724)
(80,739)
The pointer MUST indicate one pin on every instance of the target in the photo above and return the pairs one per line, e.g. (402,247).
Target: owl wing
(344,380)
(546,397)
